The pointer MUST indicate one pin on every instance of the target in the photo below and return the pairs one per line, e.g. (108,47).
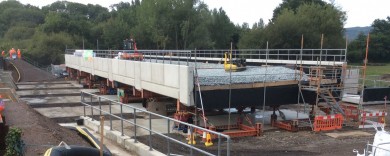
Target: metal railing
(330,55)
(36,64)
(376,81)
(222,138)
(372,150)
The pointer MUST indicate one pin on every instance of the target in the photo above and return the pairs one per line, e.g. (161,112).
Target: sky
(359,12)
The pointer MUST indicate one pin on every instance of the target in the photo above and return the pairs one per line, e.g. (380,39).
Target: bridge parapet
(172,80)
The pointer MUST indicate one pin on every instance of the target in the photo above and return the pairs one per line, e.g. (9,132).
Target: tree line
(44,33)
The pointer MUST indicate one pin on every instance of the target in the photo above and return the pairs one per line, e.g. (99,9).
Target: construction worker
(3,53)
(12,53)
(19,54)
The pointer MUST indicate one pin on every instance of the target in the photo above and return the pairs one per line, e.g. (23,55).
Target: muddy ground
(38,132)
(276,142)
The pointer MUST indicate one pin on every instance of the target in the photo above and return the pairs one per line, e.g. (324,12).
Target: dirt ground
(276,142)
(280,142)
(38,132)
(29,73)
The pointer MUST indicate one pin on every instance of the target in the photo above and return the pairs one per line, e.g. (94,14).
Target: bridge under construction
(195,84)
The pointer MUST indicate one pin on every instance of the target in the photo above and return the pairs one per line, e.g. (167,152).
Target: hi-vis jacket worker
(3,53)
(12,52)
(19,54)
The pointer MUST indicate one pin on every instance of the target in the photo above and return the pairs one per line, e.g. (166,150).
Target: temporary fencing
(328,122)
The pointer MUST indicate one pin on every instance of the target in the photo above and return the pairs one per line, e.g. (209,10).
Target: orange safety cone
(188,134)
(208,141)
(204,137)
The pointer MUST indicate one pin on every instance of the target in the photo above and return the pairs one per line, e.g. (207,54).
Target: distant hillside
(353,32)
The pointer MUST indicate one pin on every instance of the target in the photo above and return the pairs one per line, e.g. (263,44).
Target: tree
(49,48)
(311,20)
(379,47)
(293,5)
(222,29)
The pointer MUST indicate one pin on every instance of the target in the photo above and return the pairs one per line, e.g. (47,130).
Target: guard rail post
(150,132)
(100,107)
(219,145)
(135,126)
(91,109)
(82,100)
(110,114)
(168,142)
(122,134)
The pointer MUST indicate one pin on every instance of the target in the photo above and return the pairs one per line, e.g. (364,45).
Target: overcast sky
(359,12)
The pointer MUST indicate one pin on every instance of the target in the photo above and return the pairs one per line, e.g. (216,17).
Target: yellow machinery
(234,64)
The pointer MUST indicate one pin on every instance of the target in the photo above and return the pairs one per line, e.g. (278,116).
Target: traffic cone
(204,137)
(188,134)
(208,141)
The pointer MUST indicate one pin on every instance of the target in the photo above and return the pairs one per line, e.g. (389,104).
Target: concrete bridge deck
(175,74)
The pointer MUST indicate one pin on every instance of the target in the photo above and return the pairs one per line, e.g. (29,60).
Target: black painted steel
(276,95)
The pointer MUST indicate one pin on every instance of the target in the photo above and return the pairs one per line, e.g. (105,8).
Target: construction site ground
(39,129)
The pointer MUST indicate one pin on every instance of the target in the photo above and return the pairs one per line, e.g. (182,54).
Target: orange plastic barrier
(328,122)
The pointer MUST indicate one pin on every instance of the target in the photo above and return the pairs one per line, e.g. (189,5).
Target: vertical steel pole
(91,108)
(219,144)
(135,126)
(228,147)
(100,107)
(150,132)
(168,142)
(83,101)
(110,115)
(122,119)
(190,139)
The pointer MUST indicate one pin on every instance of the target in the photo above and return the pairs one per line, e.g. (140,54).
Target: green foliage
(294,5)
(13,142)
(294,19)
(310,20)
(378,70)
(43,34)
(379,46)
(49,48)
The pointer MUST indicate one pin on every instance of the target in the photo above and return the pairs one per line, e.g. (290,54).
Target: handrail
(329,55)
(36,64)
(149,129)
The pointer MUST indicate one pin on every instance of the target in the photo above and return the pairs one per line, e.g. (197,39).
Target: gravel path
(211,74)
(30,73)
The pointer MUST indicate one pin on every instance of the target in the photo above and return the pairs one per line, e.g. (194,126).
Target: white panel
(122,67)
(110,62)
(96,63)
(101,73)
(130,69)
(123,79)
(161,89)
(101,64)
(171,75)
(78,62)
(146,71)
(137,75)
(105,65)
(115,66)
(158,73)
(186,85)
